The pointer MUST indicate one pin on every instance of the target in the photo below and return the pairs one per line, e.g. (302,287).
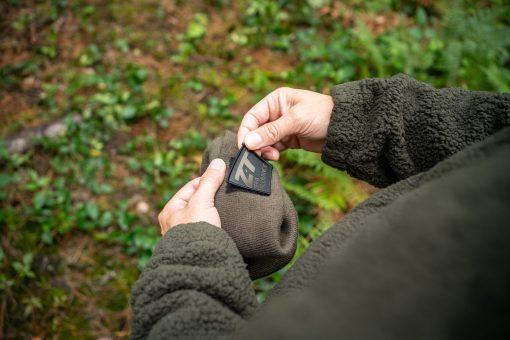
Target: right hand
(286,118)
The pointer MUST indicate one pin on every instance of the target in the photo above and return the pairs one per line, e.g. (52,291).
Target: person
(426,257)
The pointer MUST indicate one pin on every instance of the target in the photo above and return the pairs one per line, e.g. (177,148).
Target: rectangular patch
(250,171)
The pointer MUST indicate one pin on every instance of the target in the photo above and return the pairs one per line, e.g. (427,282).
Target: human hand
(286,118)
(194,202)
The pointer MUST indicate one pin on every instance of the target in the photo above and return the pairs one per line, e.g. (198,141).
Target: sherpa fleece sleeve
(195,286)
(385,130)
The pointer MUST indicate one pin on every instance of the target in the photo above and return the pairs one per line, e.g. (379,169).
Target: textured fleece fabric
(425,258)
(264,228)
(196,276)
(384,130)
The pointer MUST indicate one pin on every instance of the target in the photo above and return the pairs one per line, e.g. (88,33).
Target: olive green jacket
(426,257)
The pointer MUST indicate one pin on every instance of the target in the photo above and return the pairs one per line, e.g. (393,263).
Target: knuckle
(163,215)
(299,118)
(283,89)
(272,132)
(161,220)
(212,174)
(209,177)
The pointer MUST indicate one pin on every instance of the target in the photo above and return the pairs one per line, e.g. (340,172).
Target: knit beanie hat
(264,228)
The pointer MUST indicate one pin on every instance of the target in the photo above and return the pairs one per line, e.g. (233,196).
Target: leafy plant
(476,44)
(143,86)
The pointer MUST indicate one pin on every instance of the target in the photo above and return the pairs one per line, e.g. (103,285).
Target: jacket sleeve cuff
(356,133)
(195,272)
(174,247)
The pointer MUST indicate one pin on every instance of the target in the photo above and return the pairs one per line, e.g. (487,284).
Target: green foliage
(91,56)
(330,189)
(469,47)
(11,74)
(476,44)
(195,33)
(143,93)
(197,27)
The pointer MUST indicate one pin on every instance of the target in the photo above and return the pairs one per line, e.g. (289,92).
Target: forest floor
(152,82)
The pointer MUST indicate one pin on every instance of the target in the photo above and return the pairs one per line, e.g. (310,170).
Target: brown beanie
(264,228)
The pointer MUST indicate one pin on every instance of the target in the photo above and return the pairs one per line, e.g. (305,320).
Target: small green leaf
(27,259)
(39,199)
(128,112)
(106,219)
(92,210)
(123,220)
(46,237)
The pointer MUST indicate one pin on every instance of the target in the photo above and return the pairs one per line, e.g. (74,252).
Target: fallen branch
(27,138)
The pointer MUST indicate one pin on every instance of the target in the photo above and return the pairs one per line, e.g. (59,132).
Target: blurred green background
(142,86)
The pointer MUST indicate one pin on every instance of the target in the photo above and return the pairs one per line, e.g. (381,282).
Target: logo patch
(250,171)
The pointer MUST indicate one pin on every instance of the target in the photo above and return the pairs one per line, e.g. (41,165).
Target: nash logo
(240,174)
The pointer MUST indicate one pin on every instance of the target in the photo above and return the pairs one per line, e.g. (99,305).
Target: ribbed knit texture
(425,258)
(264,228)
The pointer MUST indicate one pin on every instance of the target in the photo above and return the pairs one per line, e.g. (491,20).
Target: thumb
(210,181)
(270,133)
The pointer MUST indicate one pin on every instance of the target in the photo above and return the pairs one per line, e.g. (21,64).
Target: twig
(26,139)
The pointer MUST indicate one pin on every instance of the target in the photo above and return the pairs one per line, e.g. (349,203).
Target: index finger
(257,116)
(248,124)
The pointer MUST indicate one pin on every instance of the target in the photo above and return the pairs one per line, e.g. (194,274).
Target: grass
(151,82)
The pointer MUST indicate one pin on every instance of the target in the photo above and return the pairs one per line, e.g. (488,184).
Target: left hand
(194,202)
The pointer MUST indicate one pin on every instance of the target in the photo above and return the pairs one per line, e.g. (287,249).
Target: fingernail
(253,140)
(217,164)
(270,155)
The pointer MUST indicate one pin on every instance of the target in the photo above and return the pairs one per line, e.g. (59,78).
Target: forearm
(195,286)
(384,130)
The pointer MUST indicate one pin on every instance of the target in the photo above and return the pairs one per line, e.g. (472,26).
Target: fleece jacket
(426,257)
